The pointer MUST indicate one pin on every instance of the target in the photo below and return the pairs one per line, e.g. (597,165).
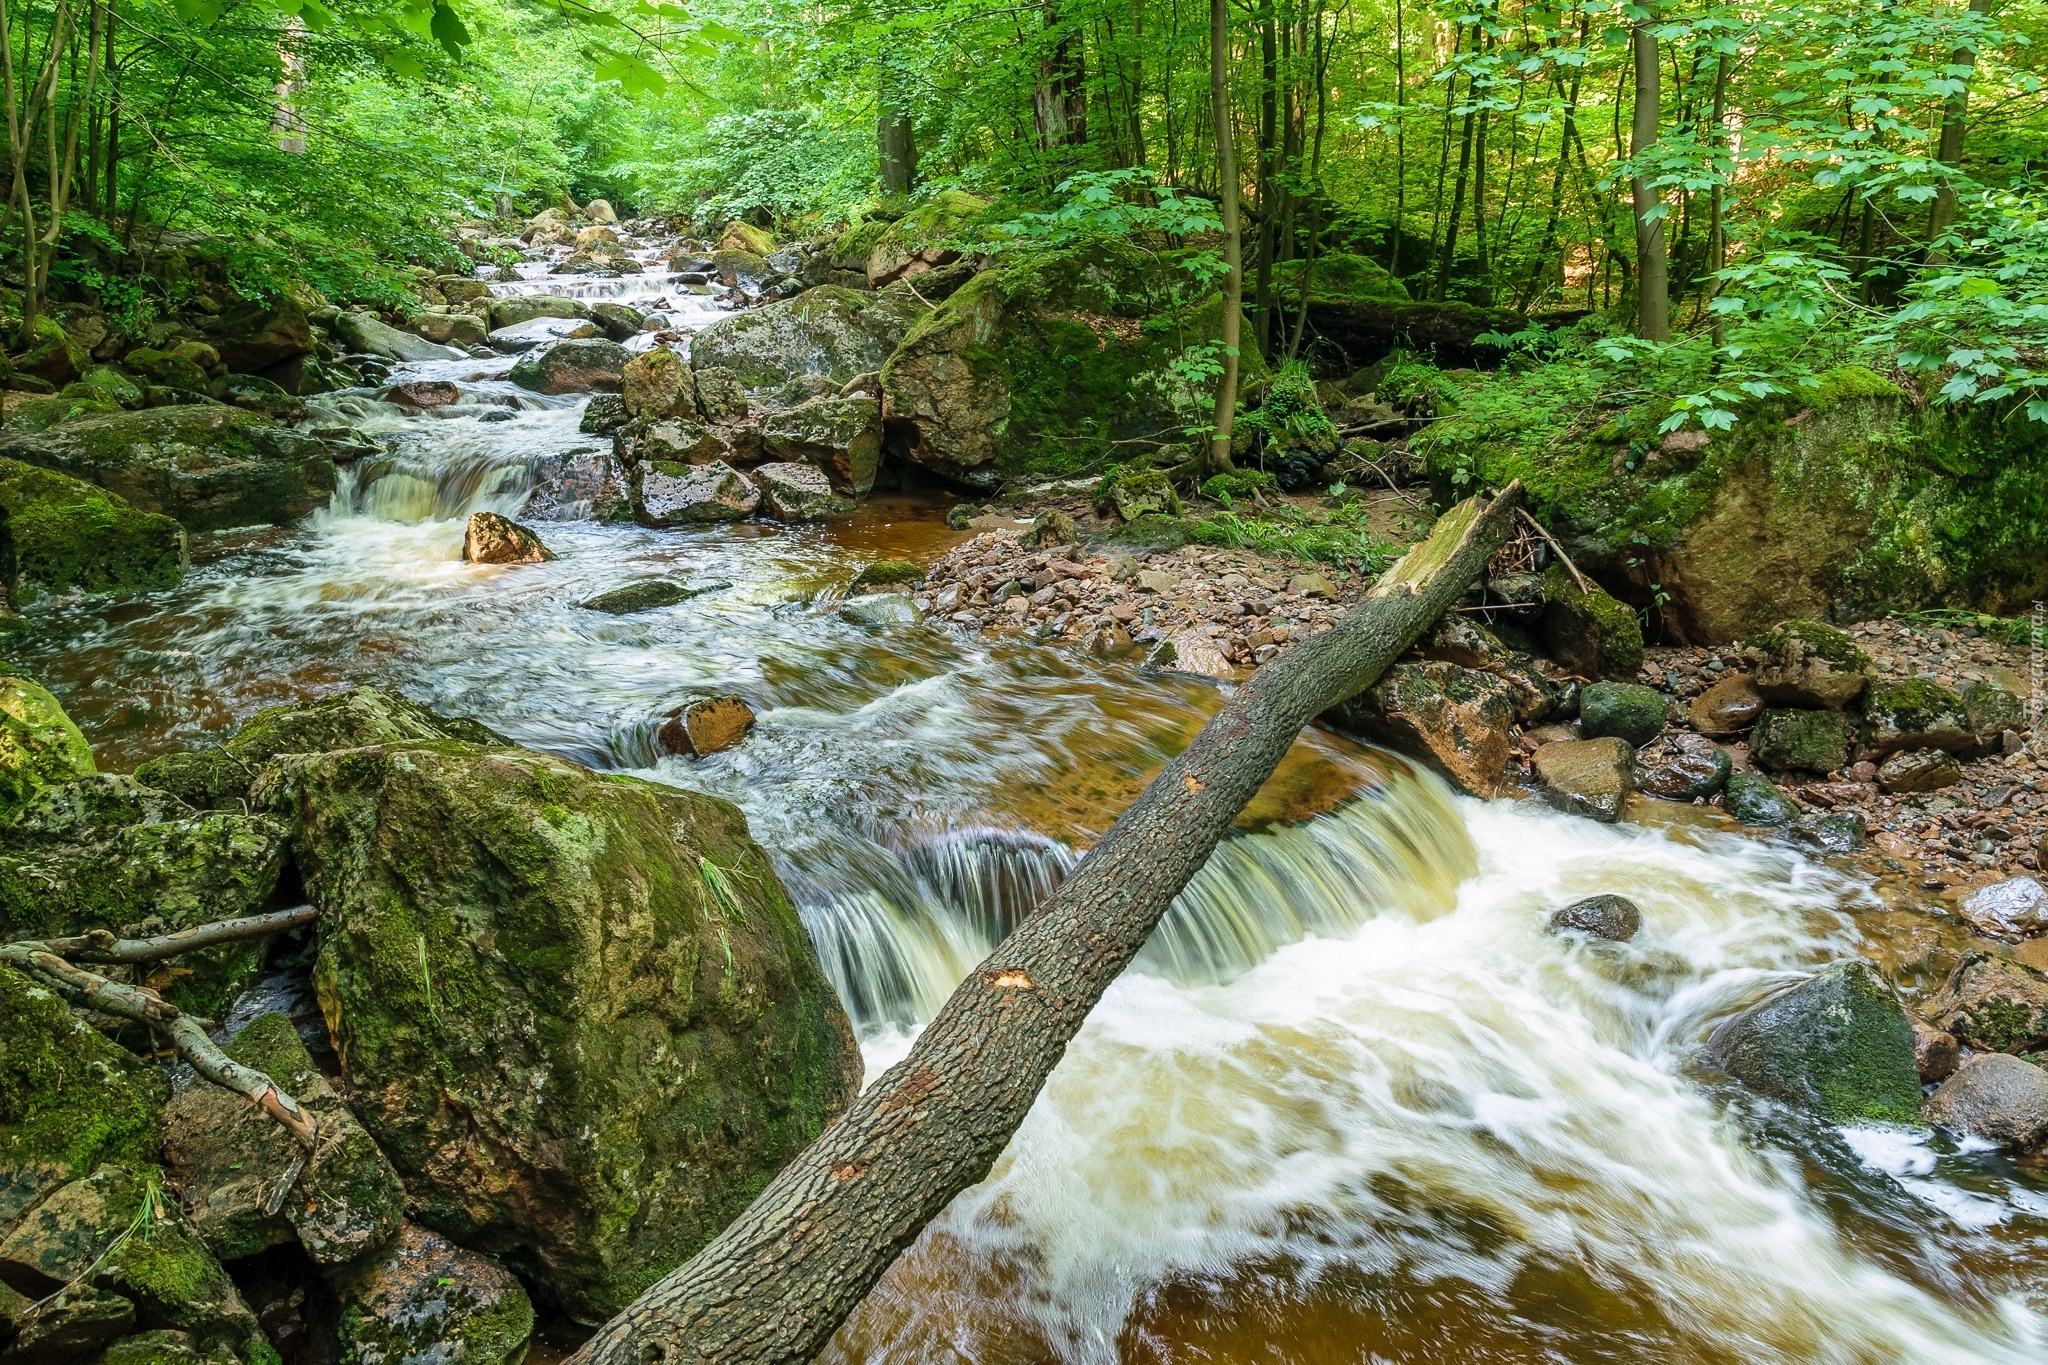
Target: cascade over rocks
(576,1010)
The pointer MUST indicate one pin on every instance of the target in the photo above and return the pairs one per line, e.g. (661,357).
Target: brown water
(1351,1104)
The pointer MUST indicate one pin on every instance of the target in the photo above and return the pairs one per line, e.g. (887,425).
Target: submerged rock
(706,726)
(1996,1097)
(1837,1044)
(576,1010)
(1609,917)
(492,539)
(210,467)
(1992,1004)
(426,1301)
(1587,776)
(645,595)
(1456,720)
(236,1164)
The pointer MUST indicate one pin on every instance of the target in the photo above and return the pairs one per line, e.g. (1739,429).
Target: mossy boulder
(1455,720)
(70,1099)
(1589,631)
(1627,711)
(76,401)
(1039,367)
(657,384)
(69,534)
(1917,713)
(1838,1045)
(210,467)
(1806,663)
(836,334)
(1787,740)
(740,235)
(1838,498)
(1993,1005)
(38,743)
(841,436)
(53,355)
(886,573)
(425,1301)
(230,1159)
(1338,278)
(1753,799)
(161,1266)
(518,308)
(575,1009)
(926,237)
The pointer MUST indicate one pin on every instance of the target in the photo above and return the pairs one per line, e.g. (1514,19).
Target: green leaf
(448,30)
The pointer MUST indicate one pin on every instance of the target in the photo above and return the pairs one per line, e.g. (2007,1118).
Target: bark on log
(776,1283)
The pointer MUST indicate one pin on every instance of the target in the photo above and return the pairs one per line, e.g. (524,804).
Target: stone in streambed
(1935,1052)
(422,394)
(492,539)
(658,384)
(794,492)
(426,1301)
(1455,720)
(1786,740)
(231,1160)
(1753,799)
(1589,632)
(1682,767)
(834,333)
(575,1009)
(1832,831)
(645,595)
(364,333)
(706,726)
(448,328)
(617,320)
(1997,1097)
(1049,528)
(1610,917)
(680,441)
(842,436)
(2012,909)
(1993,1005)
(670,495)
(880,609)
(1989,710)
(1914,714)
(1729,707)
(1192,651)
(38,743)
(883,574)
(571,367)
(518,308)
(1590,777)
(1920,770)
(534,333)
(1623,710)
(1838,1044)
(1808,664)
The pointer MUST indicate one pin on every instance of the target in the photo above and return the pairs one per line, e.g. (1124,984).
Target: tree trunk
(1653,290)
(1400,141)
(1232,323)
(1440,286)
(896,142)
(774,1285)
(1269,174)
(1949,151)
(1059,104)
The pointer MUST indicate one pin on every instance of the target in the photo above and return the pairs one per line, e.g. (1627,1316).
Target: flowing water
(1351,1104)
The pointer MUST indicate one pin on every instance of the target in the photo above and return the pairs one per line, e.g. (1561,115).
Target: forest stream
(1351,1104)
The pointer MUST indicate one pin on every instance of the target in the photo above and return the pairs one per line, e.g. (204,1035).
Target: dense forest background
(1775,185)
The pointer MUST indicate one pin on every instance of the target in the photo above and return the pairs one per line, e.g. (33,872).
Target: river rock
(169,1276)
(532,970)
(720,395)
(1459,640)
(1729,707)
(1996,1097)
(1682,767)
(492,539)
(231,1159)
(1935,1052)
(1192,651)
(521,337)
(571,366)
(210,467)
(1802,741)
(1914,714)
(1049,528)
(1609,917)
(658,384)
(119,389)
(667,495)
(831,332)
(1455,720)
(1990,710)
(107,852)
(252,336)
(1589,632)
(600,211)
(1837,1044)
(1841,831)
(1921,770)
(1623,710)
(2014,908)
(70,1098)
(1993,1004)
(174,369)
(740,269)
(679,441)
(448,328)
(842,436)
(72,1328)
(426,1301)
(1808,664)
(38,743)
(1587,776)
(463,289)
(794,492)
(363,332)
(422,394)
(617,320)
(519,308)
(645,595)
(1753,799)
(1041,353)
(597,234)
(706,726)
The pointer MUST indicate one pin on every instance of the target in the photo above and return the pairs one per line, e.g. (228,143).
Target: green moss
(1155,532)
(1788,740)
(1339,278)
(1846,383)
(70,1100)
(71,534)
(1819,638)
(888,573)
(2000,1025)
(1839,1044)
(1590,632)
(38,743)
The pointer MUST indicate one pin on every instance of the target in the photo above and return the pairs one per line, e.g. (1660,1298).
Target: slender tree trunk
(1717,226)
(1400,140)
(1232,324)
(775,1284)
(1949,150)
(1567,133)
(1439,288)
(1269,175)
(1653,292)
(1060,103)
(1479,198)
(287,125)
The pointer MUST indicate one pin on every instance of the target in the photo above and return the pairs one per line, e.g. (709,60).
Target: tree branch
(101,946)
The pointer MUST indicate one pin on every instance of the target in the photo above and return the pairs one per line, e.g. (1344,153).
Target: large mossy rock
(1833,499)
(38,743)
(230,1159)
(107,852)
(583,365)
(210,467)
(926,237)
(576,1010)
(1338,278)
(1587,630)
(1838,1044)
(1455,720)
(67,533)
(425,1301)
(1038,367)
(831,332)
(1806,663)
(253,336)
(70,1099)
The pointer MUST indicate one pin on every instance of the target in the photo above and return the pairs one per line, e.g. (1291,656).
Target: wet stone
(1993,1005)
(1729,707)
(2014,908)
(706,726)
(1997,1097)
(667,495)
(1591,777)
(1622,711)
(645,595)
(1609,917)
(492,539)
(1832,832)
(1837,1044)
(426,1301)
(1935,1053)
(1922,770)
(1681,767)
(1786,740)
(1753,799)
(794,492)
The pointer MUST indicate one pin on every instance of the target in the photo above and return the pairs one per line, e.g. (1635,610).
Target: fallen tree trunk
(777,1282)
